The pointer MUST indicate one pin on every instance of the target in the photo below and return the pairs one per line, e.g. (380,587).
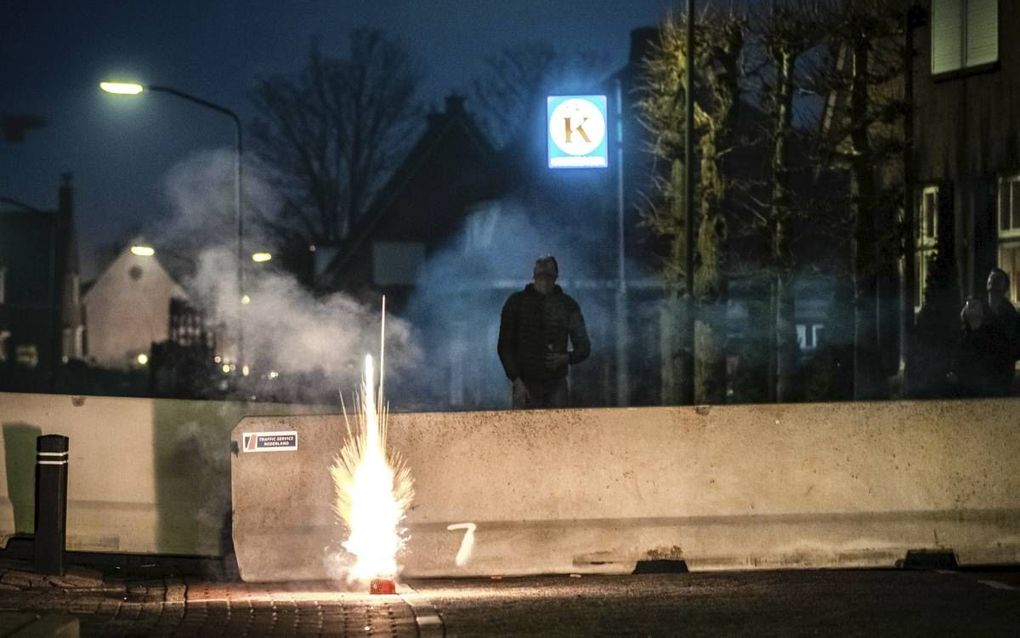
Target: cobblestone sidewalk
(191,606)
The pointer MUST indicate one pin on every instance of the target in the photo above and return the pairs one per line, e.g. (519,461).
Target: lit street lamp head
(122,88)
(261,257)
(142,250)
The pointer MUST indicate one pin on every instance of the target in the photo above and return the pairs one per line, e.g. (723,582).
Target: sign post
(577,132)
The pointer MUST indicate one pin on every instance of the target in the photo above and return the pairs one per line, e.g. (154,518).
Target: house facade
(40,314)
(967,140)
(127,309)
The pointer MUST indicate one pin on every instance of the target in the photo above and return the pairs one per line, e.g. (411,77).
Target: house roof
(440,130)
(88,288)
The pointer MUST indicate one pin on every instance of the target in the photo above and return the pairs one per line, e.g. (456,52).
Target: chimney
(66,197)
(642,43)
(454,104)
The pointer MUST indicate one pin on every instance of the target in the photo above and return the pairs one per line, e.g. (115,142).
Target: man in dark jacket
(990,342)
(1003,325)
(534,328)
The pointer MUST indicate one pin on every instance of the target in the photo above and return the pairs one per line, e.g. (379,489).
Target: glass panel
(930,207)
(919,273)
(1004,204)
(982,32)
(1014,203)
(946,35)
(1009,260)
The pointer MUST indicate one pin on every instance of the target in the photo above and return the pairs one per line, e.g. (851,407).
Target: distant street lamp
(261,257)
(146,250)
(134,88)
(122,88)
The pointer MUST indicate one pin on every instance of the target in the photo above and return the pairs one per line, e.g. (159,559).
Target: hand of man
(555,360)
(520,392)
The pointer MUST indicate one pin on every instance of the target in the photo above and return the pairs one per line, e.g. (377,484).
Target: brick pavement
(193,606)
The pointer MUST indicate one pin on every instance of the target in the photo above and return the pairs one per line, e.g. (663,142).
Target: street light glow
(142,359)
(143,251)
(261,257)
(122,88)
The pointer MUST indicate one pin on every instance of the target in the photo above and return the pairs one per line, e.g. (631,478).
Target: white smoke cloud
(288,331)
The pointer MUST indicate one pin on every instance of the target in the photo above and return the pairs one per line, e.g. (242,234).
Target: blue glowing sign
(577,131)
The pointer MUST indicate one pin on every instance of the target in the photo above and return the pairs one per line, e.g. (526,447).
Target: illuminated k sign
(577,131)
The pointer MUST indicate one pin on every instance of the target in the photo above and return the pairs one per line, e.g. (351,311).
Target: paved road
(770,603)
(776,603)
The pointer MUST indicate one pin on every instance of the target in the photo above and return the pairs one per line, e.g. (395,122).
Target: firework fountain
(374,487)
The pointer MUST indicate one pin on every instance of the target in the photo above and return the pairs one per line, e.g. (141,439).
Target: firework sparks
(373,488)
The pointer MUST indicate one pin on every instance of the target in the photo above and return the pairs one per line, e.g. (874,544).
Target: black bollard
(50,503)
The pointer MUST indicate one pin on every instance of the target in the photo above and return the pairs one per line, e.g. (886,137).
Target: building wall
(967,135)
(127,309)
(38,306)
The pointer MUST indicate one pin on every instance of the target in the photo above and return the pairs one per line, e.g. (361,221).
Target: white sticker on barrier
(269,441)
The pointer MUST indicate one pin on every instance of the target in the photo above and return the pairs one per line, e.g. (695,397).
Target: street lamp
(689,132)
(261,257)
(147,250)
(134,88)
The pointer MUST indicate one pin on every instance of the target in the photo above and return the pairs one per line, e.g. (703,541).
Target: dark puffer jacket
(533,325)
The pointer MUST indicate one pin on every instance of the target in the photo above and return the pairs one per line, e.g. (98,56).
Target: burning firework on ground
(373,488)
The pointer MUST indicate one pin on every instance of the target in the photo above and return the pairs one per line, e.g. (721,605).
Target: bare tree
(718,87)
(788,35)
(511,91)
(332,133)
(865,139)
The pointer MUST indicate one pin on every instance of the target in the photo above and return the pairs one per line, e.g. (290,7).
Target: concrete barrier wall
(558,491)
(598,490)
(145,475)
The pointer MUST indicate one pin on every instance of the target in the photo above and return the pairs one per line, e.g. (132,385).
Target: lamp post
(689,307)
(133,88)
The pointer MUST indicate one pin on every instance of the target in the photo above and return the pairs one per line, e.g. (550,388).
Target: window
(926,240)
(1009,232)
(964,34)
(396,263)
(27,355)
(480,229)
(1009,206)
(809,336)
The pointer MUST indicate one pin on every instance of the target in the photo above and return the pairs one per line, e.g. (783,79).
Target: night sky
(53,54)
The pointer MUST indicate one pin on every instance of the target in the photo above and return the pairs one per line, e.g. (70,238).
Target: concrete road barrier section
(144,475)
(595,491)
(547,491)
